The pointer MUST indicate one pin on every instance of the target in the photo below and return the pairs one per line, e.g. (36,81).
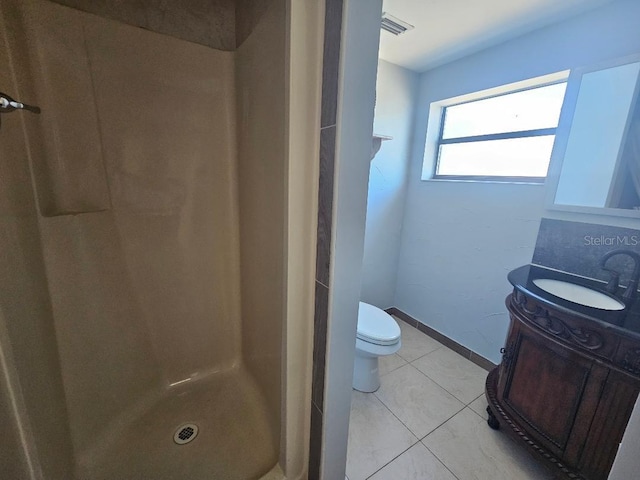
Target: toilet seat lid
(376,326)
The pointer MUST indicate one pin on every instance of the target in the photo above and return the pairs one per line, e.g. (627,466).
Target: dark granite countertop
(626,321)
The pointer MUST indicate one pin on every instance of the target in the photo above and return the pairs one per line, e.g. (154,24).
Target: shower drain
(185,433)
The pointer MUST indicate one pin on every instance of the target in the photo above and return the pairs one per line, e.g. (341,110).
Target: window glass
(532,109)
(515,157)
(509,135)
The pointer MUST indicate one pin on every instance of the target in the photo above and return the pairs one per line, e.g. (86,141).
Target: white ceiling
(446,30)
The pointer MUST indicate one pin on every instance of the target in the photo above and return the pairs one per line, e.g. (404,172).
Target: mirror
(595,164)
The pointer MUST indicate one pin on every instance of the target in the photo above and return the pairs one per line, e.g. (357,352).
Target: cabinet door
(547,388)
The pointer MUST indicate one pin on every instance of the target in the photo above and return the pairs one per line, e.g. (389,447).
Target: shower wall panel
(261,103)
(29,365)
(168,125)
(146,293)
(129,280)
(70,178)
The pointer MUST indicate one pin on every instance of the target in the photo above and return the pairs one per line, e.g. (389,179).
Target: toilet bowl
(378,335)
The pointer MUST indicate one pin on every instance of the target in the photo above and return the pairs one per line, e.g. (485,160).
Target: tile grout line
(461,401)
(432,430)
(482,394)
(402,423)
(468,353)
(483,418)
(441,346)
(442,387)
(429,353)
(451,350)
(405,426)
(441,462)
(464,404)
(423,355)
(531,458)
(396,417)
(434,381)
(441,424)
(391,371)
(421,439)
(394,458)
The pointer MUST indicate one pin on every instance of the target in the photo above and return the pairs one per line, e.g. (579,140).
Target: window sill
(460,180)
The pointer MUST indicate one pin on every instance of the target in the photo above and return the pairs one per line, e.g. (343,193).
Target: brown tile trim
(402,316)
(331,61)
(319,345)
(446,341)
(315,449)
(325,203)
(488,365)
(330,84)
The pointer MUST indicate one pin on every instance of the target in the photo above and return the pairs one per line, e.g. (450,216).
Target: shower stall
(145,242)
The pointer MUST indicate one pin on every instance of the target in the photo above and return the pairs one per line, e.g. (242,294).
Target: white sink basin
(578,294)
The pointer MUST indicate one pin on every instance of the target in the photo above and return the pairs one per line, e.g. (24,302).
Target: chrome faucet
(630,293)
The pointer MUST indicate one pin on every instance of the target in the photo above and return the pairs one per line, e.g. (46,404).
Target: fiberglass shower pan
(143,221)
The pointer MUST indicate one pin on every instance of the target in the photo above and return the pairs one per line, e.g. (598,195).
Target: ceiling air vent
(394,25)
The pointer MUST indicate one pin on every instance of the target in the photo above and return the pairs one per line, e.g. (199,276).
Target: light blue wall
(459,240)
(396,100)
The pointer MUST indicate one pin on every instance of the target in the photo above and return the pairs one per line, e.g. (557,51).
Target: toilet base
(366,377)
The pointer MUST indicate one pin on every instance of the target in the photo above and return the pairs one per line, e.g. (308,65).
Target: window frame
(437,116)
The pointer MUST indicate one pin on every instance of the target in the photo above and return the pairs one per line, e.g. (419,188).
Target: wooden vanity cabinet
(563,388)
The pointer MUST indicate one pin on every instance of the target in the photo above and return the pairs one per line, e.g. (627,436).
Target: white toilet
(378,335)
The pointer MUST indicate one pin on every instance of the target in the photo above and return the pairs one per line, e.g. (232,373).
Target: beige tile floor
(428,421)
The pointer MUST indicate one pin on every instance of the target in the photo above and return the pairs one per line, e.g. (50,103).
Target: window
(504,137)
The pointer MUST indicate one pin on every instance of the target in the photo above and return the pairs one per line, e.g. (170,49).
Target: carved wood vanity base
(565,388)
(492,421)
(497,416)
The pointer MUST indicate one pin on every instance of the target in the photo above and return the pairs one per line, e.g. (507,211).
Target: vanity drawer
(580,334)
